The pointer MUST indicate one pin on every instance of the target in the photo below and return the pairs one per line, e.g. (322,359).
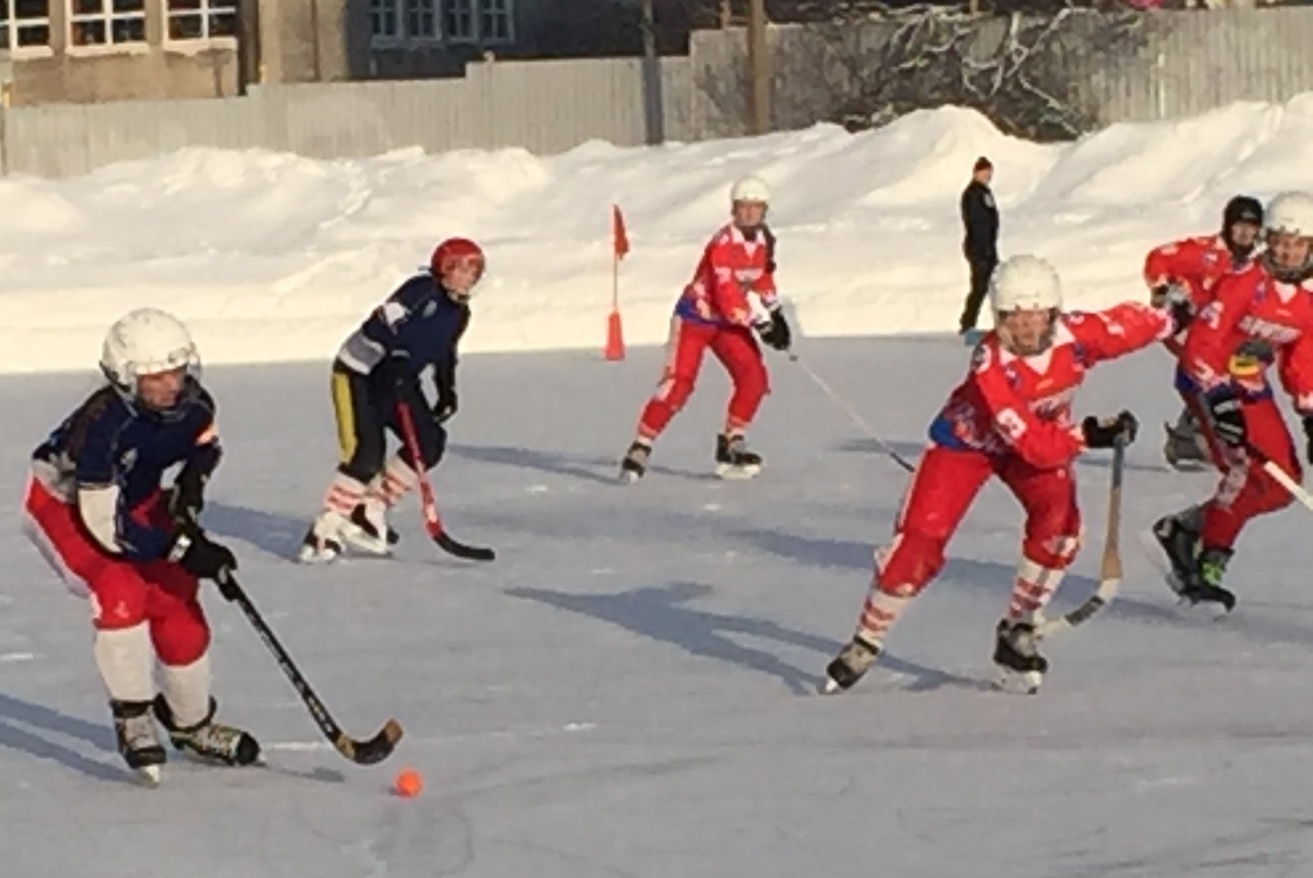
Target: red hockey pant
(943,487)
(738,352)
(123,593)
(1246,491)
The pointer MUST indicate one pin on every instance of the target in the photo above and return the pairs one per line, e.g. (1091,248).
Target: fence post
(759,66)
(6,94)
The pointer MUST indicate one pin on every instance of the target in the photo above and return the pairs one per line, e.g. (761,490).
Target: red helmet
(453,252)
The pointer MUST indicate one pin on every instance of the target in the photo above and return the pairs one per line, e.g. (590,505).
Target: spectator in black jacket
(980,219)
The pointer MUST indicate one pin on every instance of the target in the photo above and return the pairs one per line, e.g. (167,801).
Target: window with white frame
(495,21)
(24,24)
(458,21)
(200,19)
(106,22)
(403,20)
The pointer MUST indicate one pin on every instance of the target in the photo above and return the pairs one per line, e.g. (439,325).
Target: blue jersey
(419,323)
(110,455)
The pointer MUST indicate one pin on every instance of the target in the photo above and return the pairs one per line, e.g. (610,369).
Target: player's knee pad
(181,635)
(752,381)
(366,460)
(432,440)
(675,391)
(1055,552)
(908,564)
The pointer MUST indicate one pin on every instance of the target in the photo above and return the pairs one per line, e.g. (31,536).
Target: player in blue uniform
(96,509)
(377,367)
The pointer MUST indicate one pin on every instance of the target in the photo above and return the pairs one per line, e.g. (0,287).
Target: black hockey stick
(376,749)
(1110,570)
(433,523)
(852,414)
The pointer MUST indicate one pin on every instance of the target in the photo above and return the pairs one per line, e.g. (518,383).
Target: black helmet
(1242,209)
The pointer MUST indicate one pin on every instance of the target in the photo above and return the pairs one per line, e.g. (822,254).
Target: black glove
(775,332)
(186,498)
(1308,433)
(446,405)
(1104,432)
(1228,416)
(1175,300)
(202,557)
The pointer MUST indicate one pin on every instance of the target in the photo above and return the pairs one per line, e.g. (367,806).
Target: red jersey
(1253,321)
(1010,404)
(1194,263)
(730,268)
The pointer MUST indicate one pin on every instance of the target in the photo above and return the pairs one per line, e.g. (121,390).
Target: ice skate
(1196,573)
(1205,585)
(1185,447)
(1020,667)
(849,665)
(323,542)
(208,739)
(138,739)
(634,465)
(367,529)
(733,458)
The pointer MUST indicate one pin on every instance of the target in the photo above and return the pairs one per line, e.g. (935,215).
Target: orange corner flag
(615,341)
(619,236)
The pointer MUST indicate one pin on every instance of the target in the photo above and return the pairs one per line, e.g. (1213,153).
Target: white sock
(397,479)
(187,689)
(124,656)
(1033,587)
(879,614)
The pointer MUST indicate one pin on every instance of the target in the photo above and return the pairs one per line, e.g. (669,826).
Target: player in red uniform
(1187,271)
(1010,418)
(1260,315)
(716,313)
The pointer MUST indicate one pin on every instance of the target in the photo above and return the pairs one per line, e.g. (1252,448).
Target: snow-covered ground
(627,690)
(275,257)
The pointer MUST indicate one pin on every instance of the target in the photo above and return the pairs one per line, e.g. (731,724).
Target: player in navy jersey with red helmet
(419,326)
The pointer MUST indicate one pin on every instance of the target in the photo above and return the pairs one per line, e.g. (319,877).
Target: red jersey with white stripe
(1021,405)
(1253,321)
(732,265)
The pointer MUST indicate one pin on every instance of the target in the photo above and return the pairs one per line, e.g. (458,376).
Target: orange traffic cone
(615,337)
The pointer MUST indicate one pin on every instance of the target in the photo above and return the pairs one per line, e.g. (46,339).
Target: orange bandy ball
(408,783)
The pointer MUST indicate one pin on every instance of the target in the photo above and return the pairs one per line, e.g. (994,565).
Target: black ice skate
(208,739)
(1206,583)
(734,460)
(1021,668)
(1196,572)
(138,739)
(849,665)
(634,465)
(1185,447)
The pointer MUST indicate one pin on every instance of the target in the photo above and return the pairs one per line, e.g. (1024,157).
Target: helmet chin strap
(1289,275)
(1010,344)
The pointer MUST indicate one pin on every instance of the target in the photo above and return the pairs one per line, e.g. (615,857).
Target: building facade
(86,51)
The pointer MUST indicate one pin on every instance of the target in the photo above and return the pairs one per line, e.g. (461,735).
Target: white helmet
(1292,213)
(750,189)
(146,342)
(1024,283)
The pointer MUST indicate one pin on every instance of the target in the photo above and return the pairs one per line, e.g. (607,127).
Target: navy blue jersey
(419,323)
(110,455)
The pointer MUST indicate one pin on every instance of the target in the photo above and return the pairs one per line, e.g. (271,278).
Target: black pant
(364,409)
(982,268)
